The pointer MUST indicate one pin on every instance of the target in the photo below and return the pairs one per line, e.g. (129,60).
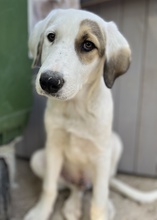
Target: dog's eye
(88,46)
(51,37)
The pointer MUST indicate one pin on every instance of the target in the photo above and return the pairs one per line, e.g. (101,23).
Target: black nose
(51,82)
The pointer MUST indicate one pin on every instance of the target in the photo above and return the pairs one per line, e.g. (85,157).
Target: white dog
(77,52)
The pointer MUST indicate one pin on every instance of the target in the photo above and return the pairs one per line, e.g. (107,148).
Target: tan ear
(118,54)
(35,44)
(37,59)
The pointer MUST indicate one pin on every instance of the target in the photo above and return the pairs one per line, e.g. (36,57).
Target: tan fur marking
(117,65)
(37,61)
(90,31)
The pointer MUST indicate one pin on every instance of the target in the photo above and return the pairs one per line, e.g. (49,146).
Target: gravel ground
(28,190)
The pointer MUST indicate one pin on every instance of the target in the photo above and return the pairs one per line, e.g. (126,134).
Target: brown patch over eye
(90,41)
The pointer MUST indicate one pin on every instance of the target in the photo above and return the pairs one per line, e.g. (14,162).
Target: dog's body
(81,150)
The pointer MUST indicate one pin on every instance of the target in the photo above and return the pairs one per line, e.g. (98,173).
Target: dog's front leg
(99,205)
(53,159)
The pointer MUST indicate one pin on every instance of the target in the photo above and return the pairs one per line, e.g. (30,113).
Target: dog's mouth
(42,92)
(63,94)
(57,96)
(60,95)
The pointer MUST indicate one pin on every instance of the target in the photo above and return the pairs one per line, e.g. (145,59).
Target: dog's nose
(51,82)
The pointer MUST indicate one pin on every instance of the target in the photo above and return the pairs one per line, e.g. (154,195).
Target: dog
(79,56)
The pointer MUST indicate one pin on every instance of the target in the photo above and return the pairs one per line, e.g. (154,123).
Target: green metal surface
(15,72)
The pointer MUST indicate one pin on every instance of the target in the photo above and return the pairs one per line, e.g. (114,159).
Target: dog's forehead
(75,15)
(72,19)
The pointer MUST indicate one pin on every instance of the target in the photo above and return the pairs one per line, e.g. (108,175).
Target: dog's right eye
(51,37)
(88,46)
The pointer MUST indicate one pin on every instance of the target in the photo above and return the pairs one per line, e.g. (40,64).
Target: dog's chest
(79,156)
(81,132)
(79,150)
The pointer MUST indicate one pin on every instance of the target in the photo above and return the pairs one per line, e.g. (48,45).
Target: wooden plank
(133,29)
(147,153)
(109,10)
(86,3)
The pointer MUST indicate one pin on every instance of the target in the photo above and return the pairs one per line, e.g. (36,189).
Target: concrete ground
(27,193)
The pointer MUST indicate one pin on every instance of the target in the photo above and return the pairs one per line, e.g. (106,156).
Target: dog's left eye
(88,46)
(51,37)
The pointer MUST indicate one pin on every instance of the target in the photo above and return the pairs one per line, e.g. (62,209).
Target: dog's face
(71,47)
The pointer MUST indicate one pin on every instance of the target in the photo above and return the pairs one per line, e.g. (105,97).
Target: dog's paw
(38,213)
(71,211)
(71,215)
(111,210)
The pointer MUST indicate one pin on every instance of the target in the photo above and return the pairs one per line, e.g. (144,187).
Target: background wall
(135,94)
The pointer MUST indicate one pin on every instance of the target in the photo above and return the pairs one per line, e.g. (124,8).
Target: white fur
(7,152)
(78,120)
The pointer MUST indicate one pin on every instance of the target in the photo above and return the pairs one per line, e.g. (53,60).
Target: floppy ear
(37,37)
(37,59)
(35,44)
(118,54)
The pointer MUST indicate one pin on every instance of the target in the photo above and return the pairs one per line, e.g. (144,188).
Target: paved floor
(29,187)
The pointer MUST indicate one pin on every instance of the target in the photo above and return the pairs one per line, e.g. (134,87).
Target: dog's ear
(37,59)
(35,44)
(37,37)
(118,54)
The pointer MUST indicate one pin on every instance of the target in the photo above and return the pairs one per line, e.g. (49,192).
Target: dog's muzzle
(51,82)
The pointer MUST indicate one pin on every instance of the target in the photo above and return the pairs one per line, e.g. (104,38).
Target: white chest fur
(84,130)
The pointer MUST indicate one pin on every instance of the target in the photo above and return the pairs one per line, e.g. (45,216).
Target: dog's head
(71,47)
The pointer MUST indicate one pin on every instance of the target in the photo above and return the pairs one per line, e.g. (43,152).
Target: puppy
(79,56)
